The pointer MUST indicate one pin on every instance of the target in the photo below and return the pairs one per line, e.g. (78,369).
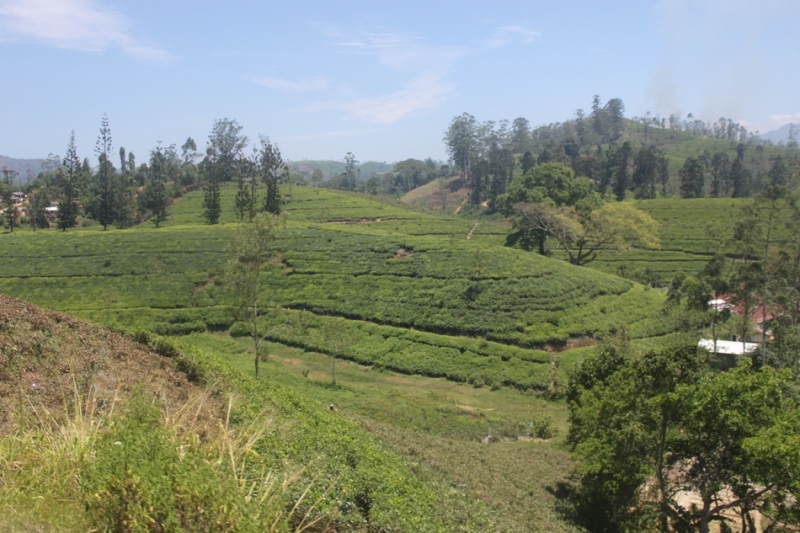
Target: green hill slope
(384,269)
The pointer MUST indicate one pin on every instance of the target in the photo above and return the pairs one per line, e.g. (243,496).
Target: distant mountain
(26,169)
(781,135)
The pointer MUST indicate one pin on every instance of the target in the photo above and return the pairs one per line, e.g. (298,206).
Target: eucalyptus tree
(227,141)
(461,140)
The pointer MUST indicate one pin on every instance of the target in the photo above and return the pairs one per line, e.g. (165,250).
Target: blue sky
(382,80)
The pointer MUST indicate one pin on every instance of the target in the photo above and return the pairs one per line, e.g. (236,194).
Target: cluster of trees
(763,277)
(130,194)
(105,194)
(600,147)
(226,161)
(550,202)
(728,178)
(404,176)
(665,442)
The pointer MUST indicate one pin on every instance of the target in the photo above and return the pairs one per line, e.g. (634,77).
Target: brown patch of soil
(53,363)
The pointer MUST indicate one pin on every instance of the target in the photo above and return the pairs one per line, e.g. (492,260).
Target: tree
(778,174)
(715,276)
(720,175)
(69,174)
(645,171)
(520,135)
(461,142)
(242,201)
(615,115)
(272,170)
(758,227)
(227,142)
(10,208)
(104,180)
(253,252)
(692,178)
(156,189)
(612,227)
(39,200)
(211,199)
(645,429)
(348,178)
(189,150)
(740,179)
(620,162)
(527,162)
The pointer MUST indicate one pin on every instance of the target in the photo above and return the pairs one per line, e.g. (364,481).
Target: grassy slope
(439,426)
(60,363)
(166,279)
(399,269)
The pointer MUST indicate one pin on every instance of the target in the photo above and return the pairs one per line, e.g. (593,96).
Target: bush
(542,427)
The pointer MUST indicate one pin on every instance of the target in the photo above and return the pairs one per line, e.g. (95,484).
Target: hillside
(81,392)
(447,347)
(25,169)
(410,282)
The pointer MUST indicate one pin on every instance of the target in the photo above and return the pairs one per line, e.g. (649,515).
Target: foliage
(614,226)
(253,251)
(666,416)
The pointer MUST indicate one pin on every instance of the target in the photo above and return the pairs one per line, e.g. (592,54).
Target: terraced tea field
(369,281)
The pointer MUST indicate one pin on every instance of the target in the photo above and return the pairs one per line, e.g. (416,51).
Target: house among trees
(760,317)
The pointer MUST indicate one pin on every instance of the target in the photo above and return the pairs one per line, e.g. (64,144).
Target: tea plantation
(407,291)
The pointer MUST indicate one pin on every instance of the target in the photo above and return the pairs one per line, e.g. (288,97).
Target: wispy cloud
(427,67)
(422,93)
(73,24)
(309,84)
(506,35)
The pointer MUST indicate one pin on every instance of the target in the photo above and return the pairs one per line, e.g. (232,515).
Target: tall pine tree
(104,180)
(211,198)
(272,167)
(68,187)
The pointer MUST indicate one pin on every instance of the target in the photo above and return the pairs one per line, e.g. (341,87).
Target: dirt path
(458,209)
(469,235)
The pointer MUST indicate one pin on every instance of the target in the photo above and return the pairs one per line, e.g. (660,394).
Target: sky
(382,80)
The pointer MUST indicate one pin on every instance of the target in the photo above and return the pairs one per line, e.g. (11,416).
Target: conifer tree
(272,168)
(156,190)
(211,198)
(242,202)
(68,187)
(104,182)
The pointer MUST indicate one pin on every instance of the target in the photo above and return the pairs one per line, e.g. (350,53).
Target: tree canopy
(664,442)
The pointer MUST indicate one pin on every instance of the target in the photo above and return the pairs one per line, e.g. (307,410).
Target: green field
(381,269)
(447,347)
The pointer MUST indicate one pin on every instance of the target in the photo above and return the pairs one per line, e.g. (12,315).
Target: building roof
(728,347)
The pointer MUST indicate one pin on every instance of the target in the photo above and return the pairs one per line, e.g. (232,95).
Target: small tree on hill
(253,252)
